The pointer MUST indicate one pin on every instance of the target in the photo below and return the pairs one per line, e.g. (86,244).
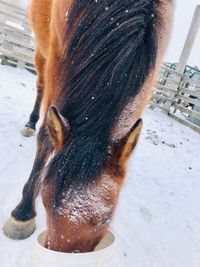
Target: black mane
(112,48)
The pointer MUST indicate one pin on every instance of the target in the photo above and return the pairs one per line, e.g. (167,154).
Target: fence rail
(16,41)
(13,6)
(179,96)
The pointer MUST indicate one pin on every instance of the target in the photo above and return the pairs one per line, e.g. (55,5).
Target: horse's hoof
(19,230)
(27,131)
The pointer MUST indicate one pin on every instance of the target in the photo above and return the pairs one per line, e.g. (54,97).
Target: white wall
(182,19)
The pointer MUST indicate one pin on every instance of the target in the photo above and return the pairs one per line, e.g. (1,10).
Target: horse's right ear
(58,127)
(124,147)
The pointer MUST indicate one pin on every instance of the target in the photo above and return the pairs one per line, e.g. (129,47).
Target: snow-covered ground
(158,218)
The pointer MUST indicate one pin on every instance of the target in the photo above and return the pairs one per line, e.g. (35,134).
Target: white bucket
(103,256)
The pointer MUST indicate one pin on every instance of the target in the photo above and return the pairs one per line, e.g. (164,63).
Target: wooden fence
(179,96)
(16,40)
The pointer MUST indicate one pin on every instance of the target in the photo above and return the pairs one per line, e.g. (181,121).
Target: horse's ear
(58,127)
(124,147)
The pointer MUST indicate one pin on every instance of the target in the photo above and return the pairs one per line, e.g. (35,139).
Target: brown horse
(96,62)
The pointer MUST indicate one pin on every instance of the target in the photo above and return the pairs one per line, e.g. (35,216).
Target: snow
(88,203)
(158,218)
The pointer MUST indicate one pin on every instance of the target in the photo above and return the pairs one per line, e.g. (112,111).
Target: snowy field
(158,218)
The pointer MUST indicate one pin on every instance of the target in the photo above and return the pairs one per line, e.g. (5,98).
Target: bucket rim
(101,252)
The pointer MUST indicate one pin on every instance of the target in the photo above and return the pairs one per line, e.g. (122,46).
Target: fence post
(194,28)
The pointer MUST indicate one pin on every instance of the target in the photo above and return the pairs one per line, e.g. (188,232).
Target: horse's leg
(21,224)
(30,127)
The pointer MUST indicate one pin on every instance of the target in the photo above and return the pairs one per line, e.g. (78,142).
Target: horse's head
(85,210)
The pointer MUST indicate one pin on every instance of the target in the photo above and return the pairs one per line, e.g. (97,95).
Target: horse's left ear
(58,127)
(124,147)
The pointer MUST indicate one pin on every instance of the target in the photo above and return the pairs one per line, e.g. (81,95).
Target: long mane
(112,46)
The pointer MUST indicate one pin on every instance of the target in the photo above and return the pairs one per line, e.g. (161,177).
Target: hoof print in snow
(18,230)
